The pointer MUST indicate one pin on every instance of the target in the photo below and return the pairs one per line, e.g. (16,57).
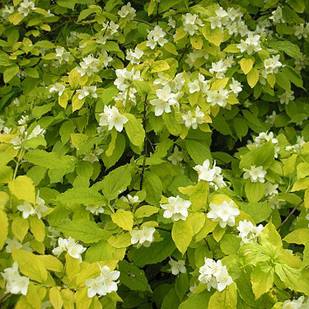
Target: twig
(184,51)
(3,297)
(145,143)
(289,215)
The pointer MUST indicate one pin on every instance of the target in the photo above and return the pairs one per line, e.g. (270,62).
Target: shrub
(154,155)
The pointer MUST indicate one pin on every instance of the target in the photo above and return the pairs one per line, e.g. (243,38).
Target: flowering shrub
(154,154)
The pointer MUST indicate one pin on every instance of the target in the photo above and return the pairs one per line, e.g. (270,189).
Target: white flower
(7,11)
(276,16)
(134,56)
(57,88)
(62,55)
(23,120)
(104,284)
(62,246)
(199,84)
(176,209)
(191,23)
(74,249)
(112,118)
(220,67)
(164,101)
(287,97)
(251,44)
(176,156)
(88,66)
(270,119)
(15,244)
(194,55)
(193,121)
(25,7)
(177,267)
(105,59)
(255,174)
(224,214)
(96,210)
(215,275)
(302,31)
(27,209)
(15,283)
(127,11)
(248,232)
(37,131)
(235,86)
(272,64)
(156,36)
(142,237)
(298,146)
(271,189)
(220,20)
(125,78)
(295,303)
(171,22)
(86,91)
(218,97)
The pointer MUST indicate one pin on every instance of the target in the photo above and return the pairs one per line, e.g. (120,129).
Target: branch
(289,215)
(145,143)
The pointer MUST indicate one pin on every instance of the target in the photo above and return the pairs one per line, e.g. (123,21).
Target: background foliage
(136,139)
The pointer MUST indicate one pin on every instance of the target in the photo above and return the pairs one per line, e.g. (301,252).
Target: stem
(289,215)
(3,297)
(145,143)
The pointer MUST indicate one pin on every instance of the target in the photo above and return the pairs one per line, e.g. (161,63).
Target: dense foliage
(154,154)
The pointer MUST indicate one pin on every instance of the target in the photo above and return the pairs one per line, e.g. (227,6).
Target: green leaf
(156,253)
(83,230)
(246,64)
(153,187)
(133,277)
(262,279)
(23,188)
(254,191)
(230,244)
(198,151)
(81,195)
(297,5)
(4,228)
(299,236)
(115,182)
(123,218)
(50,160)
(226,299)
(253,77)
(145,211)
(214,36)
(257,211)
(135,130)
(199,301)
(30,265)
(9,73)
(288,47)
(182,234)
(159,66)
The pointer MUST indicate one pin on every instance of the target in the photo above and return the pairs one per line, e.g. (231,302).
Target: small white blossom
(25,7)
(296,303)
(221,19)
(270,119)
(276,16)
(302,31)
(7,11)
(177,267)
(194,55)
(218,97)
(193,120)
(156,36)
(215,275)
(219,68)
(255,174)
(15,283)
(134,56)
(298,146)
(251,44)
(37,131)
(127,11)
(125,78)
(62,55)
(165,98)
(15,244)
(176,209)
(287,97)
(171,22)
(248,232)
(87,91)
(142,237)
(104,284)
(271,189)
(27,209)
(112,118)
(191,23)
(272,64)
(89,66)
(96,210)
(74,249)
(176,156)
(235,86)
(57,88)
(224,214)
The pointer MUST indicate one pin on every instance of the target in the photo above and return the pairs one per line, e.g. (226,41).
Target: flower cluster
(104,284)
(74,249)
(156,37)
(248,232)
(299,303)
(298,146)
(177,267)
(89,66)
(192,120)
(87,91)
(215,275)
(251,44)
(212,175)
(112,118)
(224,213)
(15,283)
(272,65)
(25,7)
(255,174)
(191,23)
(62,55)
(28,210)
(176,209)
(127,11)
(143,236)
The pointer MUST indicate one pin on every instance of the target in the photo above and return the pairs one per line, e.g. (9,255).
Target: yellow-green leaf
(51,263)
(146,211)
(214,36)
(253,77)
(196,42)
(37,228)
(20,228)
(159,66)
(3,228)
(10,72)
(226,299)
(246,64)
(134,130)
(182,234)
(23,188)
(124,219)
(77,103)
(55,298)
